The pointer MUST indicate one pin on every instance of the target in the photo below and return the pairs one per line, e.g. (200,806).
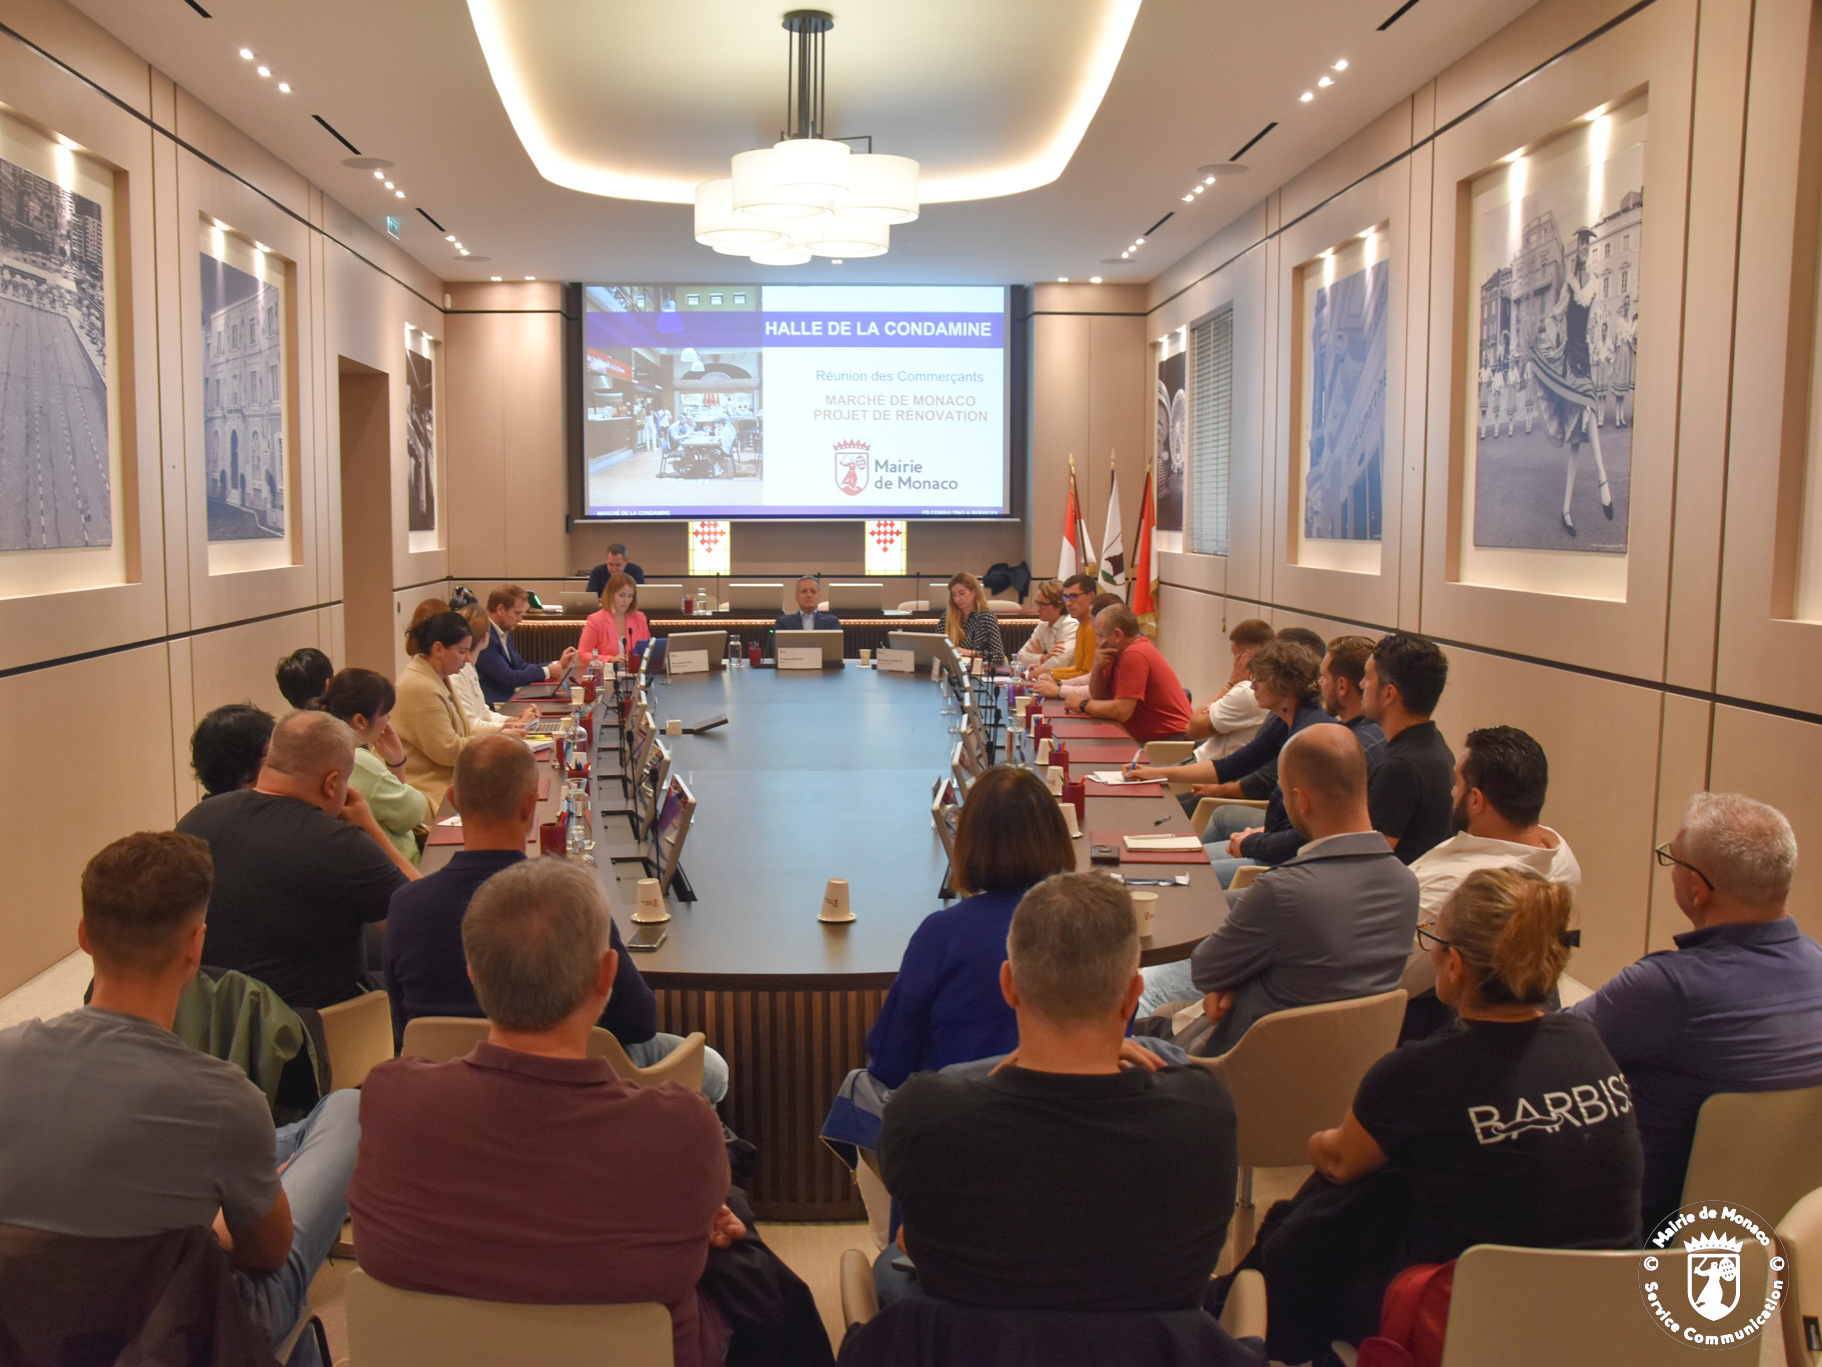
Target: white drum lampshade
(718,225)
(881,189)
(788,253)
(811,168)
(831,236)
(757,178)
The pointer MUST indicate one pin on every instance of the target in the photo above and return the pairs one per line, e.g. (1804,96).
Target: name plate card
(687,662)
(800,657)
(896,661)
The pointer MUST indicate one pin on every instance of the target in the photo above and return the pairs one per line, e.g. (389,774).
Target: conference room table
(820,774)
(542,639)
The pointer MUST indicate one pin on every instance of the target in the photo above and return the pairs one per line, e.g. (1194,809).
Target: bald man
(301,867)
(1334,922)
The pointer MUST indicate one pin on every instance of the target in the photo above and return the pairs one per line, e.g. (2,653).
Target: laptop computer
(767,598)
(578,604)
(829,642)
(714,642)
(923,644)
(856,597)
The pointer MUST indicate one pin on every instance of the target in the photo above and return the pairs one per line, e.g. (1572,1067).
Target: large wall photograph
(1557,236)
(243,329)
(55,462)
(1344,392)
(1173,440)
(420,441)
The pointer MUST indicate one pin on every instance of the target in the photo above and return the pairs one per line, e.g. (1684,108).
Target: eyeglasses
(1427,937)
(1667,859)
(1069,597)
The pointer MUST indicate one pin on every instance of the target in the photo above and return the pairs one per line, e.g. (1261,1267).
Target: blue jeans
(1166,983)
(714,1067)
(321,1150)
(1229,821)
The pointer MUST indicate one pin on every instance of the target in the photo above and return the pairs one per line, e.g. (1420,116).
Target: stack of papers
(1159,844)
(1113,776)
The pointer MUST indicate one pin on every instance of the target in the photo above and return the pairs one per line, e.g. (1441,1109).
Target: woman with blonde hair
(1053,642)
(465,683)
(972,628)
(1514,1126)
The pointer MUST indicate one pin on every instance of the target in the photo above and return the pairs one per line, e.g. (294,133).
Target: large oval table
(821,774)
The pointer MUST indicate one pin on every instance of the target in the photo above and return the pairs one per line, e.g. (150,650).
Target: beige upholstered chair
(1244,876)
(874,1196)
(1004,605)
(915,605)
(359,1035)
(1294,1073)
(1801,1231)
(859,1295)
(441,1038)
(388,1327)
(1205,810)
(1519,1307)
(1167,752)
(1761,1150)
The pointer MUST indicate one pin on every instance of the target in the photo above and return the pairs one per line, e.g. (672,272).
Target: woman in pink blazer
(611,633)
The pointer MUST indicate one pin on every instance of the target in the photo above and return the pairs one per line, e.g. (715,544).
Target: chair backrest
(1801,1231)
(359,1035)
(1761,1150)
(388,1327)
(1295,1072)
(915,605)
(442,1038)
(859,1292)
(1517,1307)
(1004,605)
(1244,876)
(1164,752)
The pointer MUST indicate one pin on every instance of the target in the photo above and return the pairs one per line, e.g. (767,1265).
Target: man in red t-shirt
(1131,682)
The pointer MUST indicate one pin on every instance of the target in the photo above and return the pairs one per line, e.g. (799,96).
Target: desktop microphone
(709,724)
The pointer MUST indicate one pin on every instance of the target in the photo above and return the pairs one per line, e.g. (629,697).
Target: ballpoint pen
(1160,821)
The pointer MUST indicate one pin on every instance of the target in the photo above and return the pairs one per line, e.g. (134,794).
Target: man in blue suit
(502,669)
(807,618)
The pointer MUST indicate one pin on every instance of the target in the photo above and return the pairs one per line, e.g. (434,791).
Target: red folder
(1118,839)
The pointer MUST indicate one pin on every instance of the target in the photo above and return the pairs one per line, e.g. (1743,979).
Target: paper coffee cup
(1069,821)
(650,906)
(835,902)
(1021,706)
(674,727)
(575,697)
(1053,778)
(1043,756)
(865,655)
(1144,910)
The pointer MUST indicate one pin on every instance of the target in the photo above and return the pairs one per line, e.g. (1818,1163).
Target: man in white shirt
(808,617)
(1053,642)
(1233,716)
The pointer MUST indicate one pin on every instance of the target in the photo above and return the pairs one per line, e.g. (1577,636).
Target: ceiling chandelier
(808,195)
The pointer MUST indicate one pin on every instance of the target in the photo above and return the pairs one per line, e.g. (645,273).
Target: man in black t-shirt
(300,867)
(1409,793)
(1080,1173)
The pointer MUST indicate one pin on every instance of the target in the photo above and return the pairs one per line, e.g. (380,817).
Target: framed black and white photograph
(56,462)
(420,436)
(1172,440)
(243,379)
(1557,234)
(1341,390)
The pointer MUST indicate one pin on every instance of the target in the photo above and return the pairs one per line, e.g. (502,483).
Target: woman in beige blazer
(427,717)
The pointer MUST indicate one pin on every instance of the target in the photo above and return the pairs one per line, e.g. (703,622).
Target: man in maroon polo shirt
(528,1171)
(1132,683)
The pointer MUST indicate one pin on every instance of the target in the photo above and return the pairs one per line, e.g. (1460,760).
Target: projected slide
(794,401)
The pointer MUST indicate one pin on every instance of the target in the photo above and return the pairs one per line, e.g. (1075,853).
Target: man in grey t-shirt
(112,1128)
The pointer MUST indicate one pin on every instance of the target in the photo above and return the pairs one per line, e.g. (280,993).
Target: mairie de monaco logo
(852,459)
(1712,1275)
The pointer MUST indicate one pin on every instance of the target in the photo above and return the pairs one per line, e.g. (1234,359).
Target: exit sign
(393,227)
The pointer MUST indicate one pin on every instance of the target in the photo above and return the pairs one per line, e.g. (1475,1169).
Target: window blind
(1211,399)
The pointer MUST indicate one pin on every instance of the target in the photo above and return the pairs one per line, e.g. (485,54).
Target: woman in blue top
(945,1005)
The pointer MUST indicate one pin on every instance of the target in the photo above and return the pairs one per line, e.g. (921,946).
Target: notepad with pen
(1192,853)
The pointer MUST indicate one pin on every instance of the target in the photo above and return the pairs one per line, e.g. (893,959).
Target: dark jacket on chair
(922,1331)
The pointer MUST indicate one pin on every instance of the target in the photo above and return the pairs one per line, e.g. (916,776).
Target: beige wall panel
(1384,199)
(204,192)
(51,626)
(1723,40)
(1682,771)
(1120,423)
(73,37)
(1601,738)
(1775,759)
(1061,355)
(238,663)
(358,238)
(217,139)
(1410,509)
(1764,653)
(174,503)
(1183,276)
(324,397)
(182,674)
(1374,145)
(1250,491)
(532,403)
(69,821)
(1192,633)
(1534,37)
(1654,47)
(476,440)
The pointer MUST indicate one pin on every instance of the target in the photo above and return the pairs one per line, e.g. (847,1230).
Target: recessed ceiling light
(1342,65)
(246,54)
(1062,280)
(493,277)
(398,194)
(1327,253)
(265,71)
(1188,199)
(1200,188)
(379,175)
(464,251)
(1094,279)
(531,277)
(1138,242)
(458,246)
(1208,180)
(449,237)
(1325,82)
(1124,255)
(284,87)
(389,185)
(835,260)
(1306,96)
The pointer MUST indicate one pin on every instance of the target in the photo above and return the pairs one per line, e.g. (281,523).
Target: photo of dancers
(1558,266)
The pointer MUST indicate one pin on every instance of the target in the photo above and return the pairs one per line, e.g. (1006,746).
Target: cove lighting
(505,38)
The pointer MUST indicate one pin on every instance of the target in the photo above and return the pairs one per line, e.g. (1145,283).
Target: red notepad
(1099,754)
(1146,856)
(1094,789)
(1070,729)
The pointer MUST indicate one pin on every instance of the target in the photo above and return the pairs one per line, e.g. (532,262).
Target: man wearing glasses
(1078,598)
(1736,1007)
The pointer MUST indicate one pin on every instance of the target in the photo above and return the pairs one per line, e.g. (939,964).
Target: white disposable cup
(674,727)
(1044,750)
(650,906)
(1068,810)
(1144,910)
(865,655)
(1053,776)
(1021,707)
(575,697)
(835,902)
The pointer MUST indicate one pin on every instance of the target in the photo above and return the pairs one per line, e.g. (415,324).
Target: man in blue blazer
(807,618)
(502,669)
